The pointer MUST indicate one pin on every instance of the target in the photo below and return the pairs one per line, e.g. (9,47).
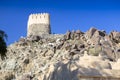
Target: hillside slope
(93,55)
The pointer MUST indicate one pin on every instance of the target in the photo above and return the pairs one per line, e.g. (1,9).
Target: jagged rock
(26,77)
(77,34)
(115,36)
(74,52)
(72,35)
(49,53)
(74,46)
(9,64)
(96,37)
(60,45)
(91,51)
(7,75)
(102,33)
(90,33)
(74,56)
(109,53)
(67,46)
(22,40)
(22,43)
(95,50)
(98,48)
(67,36)
(117,54)
(26,61)
(33,38)
(80,46)
(105,43)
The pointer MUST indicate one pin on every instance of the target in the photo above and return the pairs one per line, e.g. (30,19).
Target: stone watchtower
(38,24)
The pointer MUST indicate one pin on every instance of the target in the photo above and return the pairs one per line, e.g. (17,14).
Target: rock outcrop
(93,55)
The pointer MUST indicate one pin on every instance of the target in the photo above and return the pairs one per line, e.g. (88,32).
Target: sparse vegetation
(3,46)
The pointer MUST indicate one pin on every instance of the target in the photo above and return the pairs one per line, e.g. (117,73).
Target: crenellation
(36,22)
(39,16)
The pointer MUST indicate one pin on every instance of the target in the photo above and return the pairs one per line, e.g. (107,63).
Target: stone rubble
(93,55)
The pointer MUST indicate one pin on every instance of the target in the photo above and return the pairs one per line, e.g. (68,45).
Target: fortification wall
(41,18)
(38,24)
(38,29)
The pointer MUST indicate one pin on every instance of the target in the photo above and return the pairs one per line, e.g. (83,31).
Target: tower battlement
(41,18)
(38,24)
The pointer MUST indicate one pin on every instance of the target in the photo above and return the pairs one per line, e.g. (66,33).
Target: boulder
(26,61)
(33,38)
(26,77)
(109,53)
(95,39)
(102,33)
(117,53)
(93,62)
(77,34)
(115,36)
(67,35)
(58,46)
(116,66)
(8,75)
(74,47)
(95,50)
(74,52)
(72,35)
(67,46)
(90,33)
(10,64)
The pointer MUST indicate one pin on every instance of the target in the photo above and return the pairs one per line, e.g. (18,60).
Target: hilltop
(75,55)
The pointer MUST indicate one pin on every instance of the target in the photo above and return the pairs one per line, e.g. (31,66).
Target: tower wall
(38,24)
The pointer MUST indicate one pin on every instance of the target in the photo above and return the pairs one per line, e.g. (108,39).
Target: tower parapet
(38,24)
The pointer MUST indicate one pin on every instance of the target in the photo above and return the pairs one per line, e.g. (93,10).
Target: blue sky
(64,15)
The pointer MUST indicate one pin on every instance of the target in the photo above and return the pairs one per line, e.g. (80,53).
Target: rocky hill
(93,55)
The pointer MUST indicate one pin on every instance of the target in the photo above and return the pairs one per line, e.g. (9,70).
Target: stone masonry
(38,24)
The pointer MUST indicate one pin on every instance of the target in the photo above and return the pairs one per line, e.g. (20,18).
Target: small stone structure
(38,24)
